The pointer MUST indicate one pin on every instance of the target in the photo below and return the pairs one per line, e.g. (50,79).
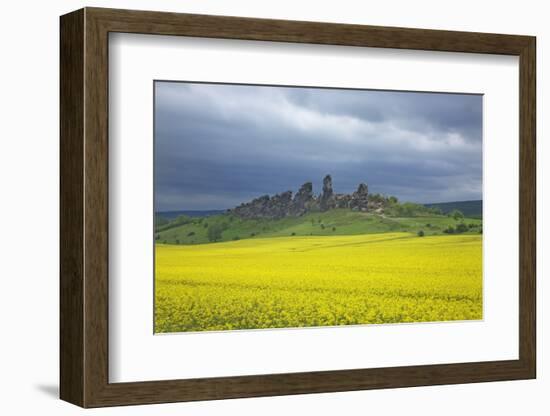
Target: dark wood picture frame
(84,207)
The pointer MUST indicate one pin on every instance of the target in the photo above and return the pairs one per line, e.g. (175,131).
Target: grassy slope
(334,222)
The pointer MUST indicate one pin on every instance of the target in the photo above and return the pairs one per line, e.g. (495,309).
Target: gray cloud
(217,145)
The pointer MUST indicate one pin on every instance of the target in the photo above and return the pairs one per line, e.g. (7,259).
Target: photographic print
(291,207)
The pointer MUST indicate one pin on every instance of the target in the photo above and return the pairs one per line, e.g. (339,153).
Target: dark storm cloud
(219,145)
(437,111)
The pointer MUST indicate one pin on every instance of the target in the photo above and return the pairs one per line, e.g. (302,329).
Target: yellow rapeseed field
(318,281)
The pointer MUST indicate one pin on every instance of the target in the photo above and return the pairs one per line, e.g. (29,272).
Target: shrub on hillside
(435,210)
(407,209)
(215,232)
(378,198)
(456,214)
(460,228)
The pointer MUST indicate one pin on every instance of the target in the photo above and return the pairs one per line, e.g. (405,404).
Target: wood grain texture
(527,207)
(84,207)
(71,208)
(226,27)
(96,208)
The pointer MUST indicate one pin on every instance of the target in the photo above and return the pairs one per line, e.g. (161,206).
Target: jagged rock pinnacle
(326,201)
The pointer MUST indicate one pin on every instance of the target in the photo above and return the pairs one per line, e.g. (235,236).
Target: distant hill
(471,209)
(170,215)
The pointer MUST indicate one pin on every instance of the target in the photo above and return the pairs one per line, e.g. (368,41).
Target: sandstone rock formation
(303,200)
(360,198)
(326,201)
(342,200)
(284,205)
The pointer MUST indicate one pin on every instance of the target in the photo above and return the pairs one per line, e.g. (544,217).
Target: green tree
(376,198)
(461,228)
(456,214)
(435,210)
(215,232)
(420,233)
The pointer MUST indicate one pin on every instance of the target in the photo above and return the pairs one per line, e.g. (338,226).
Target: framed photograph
(254,207)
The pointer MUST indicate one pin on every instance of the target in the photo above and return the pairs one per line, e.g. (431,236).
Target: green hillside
(471,209)
(227,227)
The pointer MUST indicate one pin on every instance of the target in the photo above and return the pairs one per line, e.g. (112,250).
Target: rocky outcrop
(266,207)
(326,200)
(342,200)
(284,205)
(279,205)
(303,200)
(257,208)
(360,198)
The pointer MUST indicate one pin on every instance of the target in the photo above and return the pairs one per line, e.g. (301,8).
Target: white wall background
(29,159)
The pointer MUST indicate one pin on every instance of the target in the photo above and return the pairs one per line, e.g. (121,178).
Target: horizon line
(226,209)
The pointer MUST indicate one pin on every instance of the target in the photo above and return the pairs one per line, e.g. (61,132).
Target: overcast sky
(218,145)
